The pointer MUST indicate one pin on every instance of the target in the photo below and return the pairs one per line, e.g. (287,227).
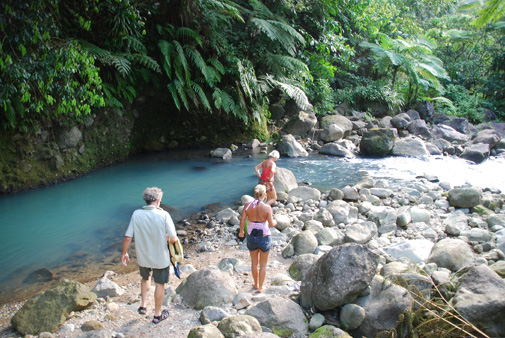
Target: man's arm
(126,244)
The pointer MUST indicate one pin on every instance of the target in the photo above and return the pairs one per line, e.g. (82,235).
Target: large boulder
(378,142)
(223,153)
(300,124)
(338,277)
(448,133)
(387,307)
(304,193)
(460,124)
(304,242)
(452,254)
(487,136)
(331,133)
(207,287)
(284,180)
(341,121)
(425,110)
(205,331)
(360,233)
(288,146)
(400,121)
(335,149)
(467,197)
(47,311)
(476,153)
(302,263)
(480,299)
(411,147)
(283,316)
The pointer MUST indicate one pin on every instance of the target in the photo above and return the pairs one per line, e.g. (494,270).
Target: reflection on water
(76,228)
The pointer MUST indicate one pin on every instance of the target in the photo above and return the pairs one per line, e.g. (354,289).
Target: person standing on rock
(152,228)
(259,242)
(266,176)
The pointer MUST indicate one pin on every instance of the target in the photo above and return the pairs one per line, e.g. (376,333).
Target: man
(153,228)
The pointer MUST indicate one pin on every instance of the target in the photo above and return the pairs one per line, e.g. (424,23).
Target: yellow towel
(176,252)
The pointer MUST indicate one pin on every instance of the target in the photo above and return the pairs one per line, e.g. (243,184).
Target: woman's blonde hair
(259,190)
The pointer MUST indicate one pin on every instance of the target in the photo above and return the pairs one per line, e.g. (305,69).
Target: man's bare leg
(145,286)
(159,293)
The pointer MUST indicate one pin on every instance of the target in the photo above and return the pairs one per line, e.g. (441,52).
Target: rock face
(47,311)
(338,277)
(300,124)
(283,316)
(480,299)
(378,142)
(207,287)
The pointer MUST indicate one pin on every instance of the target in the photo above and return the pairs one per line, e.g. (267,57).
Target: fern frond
(172,89)
(492,11)
(293,92)
(185,32)
(197,59)
(227,7)
(282,64)
(135,45)
(121,63)
(179,86)
(182,60)
(145,60)
(201,95)
(217,64)
(166,49)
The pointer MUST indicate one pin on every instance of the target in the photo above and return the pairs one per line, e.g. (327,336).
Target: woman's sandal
(164,315)
(142,310)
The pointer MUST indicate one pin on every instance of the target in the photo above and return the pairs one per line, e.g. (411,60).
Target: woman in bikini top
(266,177)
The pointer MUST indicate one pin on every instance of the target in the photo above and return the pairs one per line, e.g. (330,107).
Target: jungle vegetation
(60,60)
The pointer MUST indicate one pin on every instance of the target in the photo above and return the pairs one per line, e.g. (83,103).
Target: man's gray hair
(152,194)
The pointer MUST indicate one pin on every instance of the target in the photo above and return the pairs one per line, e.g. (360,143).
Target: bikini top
(258,225)
(265,174)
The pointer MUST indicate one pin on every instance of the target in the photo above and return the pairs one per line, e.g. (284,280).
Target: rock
(331,133)
(304,193)
(304,242)
(449,134)
(411,147)
(107,288)
(360,233)
(400,121)
(487,136)
(242,300)
(283,221)
(476,153)
(378,142)
(335,149)
(302,263)
(455,223)
(276,111)
(325,217)
(207,287)
(205,331)
(386,307)
(340,211)
(253,144)
(316,321)
(300,124)
(226,214)
(328,236)
(460,124)
(350,193)
(92,325)
(283,316)
(497,219)
(479,299)
(223,153)
(418,127)
(425,110)
(419,215)
(351,316)
(452,254)
(211,314)
(340,121)
(39,276)
(335,194)
(403,216)
(47,311)
(288,146)
(70,138)
(329,331)
(465,197)
(234,326)
(338,277)
(285,180)
(416,250)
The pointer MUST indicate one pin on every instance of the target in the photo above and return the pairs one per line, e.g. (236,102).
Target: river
(75,229)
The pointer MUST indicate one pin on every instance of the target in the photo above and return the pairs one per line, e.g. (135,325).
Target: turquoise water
(83,221)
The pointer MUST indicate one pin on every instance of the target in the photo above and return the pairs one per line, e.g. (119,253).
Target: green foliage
(465,103)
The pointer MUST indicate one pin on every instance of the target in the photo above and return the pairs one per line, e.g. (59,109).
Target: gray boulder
(304,193)
(360,233)
(329,236)
(211,314)
(338,277)
(276,111)
(47,311)
(378,142)
(238,325)
(300,124)
(288,146)
(226,214)
(283,316)
(455,223)
(479,299)
(325,217)
(340,211)
(465,197)
(448,133)
(284,180)
(329,331)
(335,149)
(207,287)
(487,136)
(205,331)
(411,147)
(305,242)
(352,315)
(331,133)
(476,153)
(341,121)
(400,121)
(107,288)
(460,124)
(387,307)
(452,254)
(419,128)
(425,110)
(302,263)
(223,153)
(416,250)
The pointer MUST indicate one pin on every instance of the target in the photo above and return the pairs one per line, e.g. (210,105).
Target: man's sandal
(142,310)
(164,315)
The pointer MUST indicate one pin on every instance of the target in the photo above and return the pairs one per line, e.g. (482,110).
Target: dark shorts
(269,185)
(160,276)
(259,242)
